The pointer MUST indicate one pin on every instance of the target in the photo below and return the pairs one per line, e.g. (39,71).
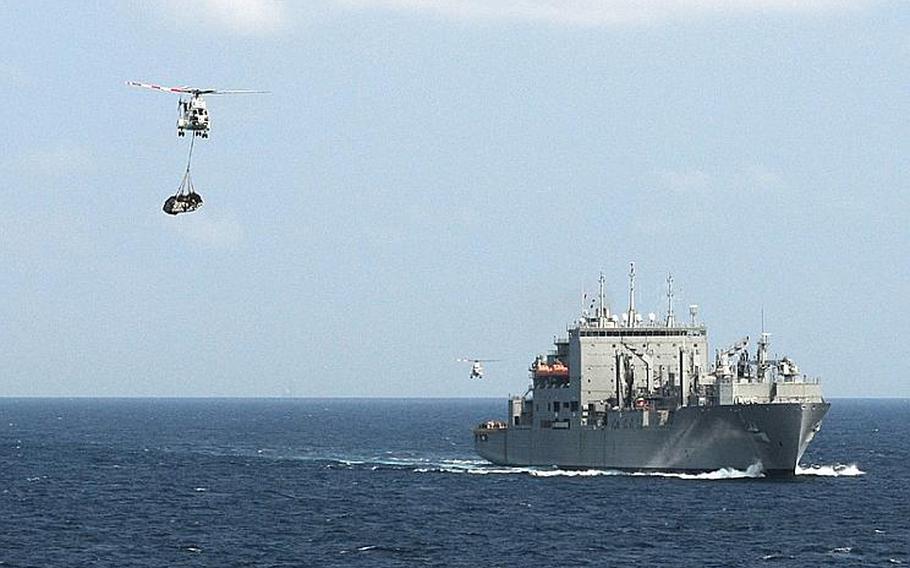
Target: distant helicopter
(193,114)
(476,366)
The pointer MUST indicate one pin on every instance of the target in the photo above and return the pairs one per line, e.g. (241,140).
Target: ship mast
(761,358)
(631,294)
(669,299)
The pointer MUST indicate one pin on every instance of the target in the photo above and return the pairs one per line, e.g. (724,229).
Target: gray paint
(693,438)
(640,396)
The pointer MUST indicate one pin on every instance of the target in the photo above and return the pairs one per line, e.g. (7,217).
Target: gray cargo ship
(633,392)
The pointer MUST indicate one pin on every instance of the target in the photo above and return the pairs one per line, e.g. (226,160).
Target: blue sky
(429,180)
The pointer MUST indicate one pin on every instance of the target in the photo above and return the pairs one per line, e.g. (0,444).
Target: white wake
(837,470)
(754,471)
(472,467)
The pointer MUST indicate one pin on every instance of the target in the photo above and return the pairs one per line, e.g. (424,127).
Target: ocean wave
(837,470)
(483,467)
(405,462)
(777,556)
(489,469)
(573,472)
(372,548)
(752,472)
(436,464)
(841,550)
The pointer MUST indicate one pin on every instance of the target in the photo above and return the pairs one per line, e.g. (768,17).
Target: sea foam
(837,470)
(484,468)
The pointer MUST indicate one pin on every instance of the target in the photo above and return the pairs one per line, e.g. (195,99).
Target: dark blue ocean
(297,482)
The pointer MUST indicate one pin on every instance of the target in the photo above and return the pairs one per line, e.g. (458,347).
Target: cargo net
(186,200)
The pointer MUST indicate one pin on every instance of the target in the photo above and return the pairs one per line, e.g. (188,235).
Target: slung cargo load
(182,203)
(186,200)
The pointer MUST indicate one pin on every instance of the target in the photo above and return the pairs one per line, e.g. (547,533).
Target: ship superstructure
(636,392)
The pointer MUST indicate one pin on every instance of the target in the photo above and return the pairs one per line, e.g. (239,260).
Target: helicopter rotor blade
(152,86)
(230,92)
(186,90)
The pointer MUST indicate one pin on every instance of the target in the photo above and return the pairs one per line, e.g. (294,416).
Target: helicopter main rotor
(193,114)
(186,90)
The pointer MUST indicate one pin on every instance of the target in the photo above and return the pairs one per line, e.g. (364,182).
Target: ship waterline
(695,439)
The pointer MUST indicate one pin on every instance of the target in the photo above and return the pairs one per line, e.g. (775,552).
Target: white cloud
(750,178)
(12,76)
(247,17)
(210,228)
(61,159)
(758,177)
(261,17)
(30,235)
(685,181)
(600,12)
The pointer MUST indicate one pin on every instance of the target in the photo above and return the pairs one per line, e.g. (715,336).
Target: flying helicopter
(192,113)
(476,365)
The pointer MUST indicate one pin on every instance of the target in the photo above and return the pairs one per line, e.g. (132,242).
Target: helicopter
(476,365)
(192,113)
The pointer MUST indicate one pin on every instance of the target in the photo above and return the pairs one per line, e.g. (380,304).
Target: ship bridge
(616,361)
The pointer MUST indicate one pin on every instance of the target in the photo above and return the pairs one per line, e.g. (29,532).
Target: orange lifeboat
(542,369)
(558,369)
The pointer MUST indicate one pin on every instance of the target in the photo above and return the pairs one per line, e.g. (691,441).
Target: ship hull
(690,439)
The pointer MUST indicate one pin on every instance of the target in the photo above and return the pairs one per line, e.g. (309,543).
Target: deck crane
(722,358)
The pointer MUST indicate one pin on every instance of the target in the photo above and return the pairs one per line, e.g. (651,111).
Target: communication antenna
(603,303)
(631,294)
(669,299)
